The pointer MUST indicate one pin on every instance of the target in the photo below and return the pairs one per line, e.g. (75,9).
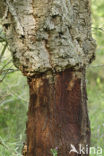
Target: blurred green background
(14,94)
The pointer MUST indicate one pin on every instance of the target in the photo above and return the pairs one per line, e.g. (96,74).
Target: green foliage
(13,107)
(54,152)
(95,76)
(98,23)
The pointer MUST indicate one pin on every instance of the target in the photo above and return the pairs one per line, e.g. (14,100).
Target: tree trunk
(57,114)
(51,43)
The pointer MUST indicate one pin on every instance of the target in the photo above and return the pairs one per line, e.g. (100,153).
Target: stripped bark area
(56,113)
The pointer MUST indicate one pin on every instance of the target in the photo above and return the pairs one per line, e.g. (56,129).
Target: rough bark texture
(49,34)
(51,43)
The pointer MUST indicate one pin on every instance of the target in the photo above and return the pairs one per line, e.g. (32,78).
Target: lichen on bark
(48,35)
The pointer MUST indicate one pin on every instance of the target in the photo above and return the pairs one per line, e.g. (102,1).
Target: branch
(98,28)
(96,66)
(6,72)
(14,152)
(3,51)
(3,144)
(5,66)
(3,77)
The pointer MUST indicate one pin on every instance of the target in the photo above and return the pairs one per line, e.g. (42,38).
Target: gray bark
(48,35)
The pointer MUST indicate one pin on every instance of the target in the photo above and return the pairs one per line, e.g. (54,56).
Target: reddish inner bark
(55,114)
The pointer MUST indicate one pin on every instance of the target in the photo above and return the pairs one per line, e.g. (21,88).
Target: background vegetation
(14,93)
(95,78)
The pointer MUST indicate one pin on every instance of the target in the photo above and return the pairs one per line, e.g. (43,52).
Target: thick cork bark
(57,117)
(48,35)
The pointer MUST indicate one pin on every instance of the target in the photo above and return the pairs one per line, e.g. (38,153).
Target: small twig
(98,28)
(5,65)
(3,77)
(96,66)
(14,94)
(2,143)
(3,51)
(9,149)
(9,71)
(2,39)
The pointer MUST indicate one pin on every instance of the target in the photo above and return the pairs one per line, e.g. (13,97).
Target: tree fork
(57,115)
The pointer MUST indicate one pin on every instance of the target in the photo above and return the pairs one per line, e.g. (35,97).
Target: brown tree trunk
(51,43)
(57,114)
